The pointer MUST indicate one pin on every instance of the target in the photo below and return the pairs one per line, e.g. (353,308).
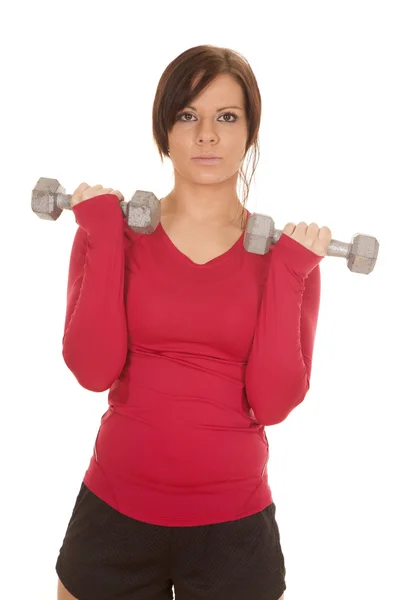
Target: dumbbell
(49,199)
(361,253)
(143,216)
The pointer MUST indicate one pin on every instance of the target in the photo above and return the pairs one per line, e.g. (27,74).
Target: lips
(207,161)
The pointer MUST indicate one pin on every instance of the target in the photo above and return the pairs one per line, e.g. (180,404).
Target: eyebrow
(218,109)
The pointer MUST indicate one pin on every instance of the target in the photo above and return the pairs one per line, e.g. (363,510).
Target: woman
(201,345)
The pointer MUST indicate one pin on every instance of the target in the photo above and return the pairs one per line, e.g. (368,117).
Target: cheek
(181,146)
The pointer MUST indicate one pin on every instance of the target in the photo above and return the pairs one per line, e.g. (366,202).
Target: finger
(325,232)
(95,191)
(312,233)
(118,193)
(289,228)
(81,188)
(94,187)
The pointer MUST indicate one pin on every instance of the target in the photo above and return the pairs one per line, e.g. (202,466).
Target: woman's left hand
(310,236)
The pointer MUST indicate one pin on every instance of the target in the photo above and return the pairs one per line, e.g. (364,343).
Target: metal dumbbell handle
(64,202)
(335,248)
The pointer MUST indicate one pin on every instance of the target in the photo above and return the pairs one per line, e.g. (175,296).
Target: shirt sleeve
(279,366)
(95,333)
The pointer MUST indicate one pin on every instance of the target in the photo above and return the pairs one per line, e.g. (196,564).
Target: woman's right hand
(84,192)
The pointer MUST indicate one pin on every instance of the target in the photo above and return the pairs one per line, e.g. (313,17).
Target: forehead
(223,92)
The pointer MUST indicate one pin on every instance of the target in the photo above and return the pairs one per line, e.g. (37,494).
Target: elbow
(95,385)
(273,408)
(275,417)
(92,377)
(92,385)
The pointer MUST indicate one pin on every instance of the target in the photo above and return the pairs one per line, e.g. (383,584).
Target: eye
(230,114)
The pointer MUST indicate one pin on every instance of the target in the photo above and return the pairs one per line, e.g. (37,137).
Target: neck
(214,208)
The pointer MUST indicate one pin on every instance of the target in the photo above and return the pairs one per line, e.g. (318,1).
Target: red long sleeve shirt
(198,359)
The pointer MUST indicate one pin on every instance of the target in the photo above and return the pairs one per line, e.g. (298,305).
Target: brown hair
(174,92)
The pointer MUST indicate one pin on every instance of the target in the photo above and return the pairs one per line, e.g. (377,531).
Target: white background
(78,85)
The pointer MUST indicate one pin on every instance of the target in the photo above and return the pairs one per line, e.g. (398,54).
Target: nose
(205,132)
(205,139)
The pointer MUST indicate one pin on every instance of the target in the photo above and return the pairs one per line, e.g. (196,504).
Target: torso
(200,243)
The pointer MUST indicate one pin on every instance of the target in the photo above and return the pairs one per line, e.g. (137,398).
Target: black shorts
(106,555)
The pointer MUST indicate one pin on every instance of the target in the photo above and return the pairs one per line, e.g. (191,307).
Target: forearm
(95,332)
(279,365)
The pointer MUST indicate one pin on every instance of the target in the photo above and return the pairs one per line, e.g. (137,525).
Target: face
(203,128)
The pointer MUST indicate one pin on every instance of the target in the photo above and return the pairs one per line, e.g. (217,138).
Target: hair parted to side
(174,92)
